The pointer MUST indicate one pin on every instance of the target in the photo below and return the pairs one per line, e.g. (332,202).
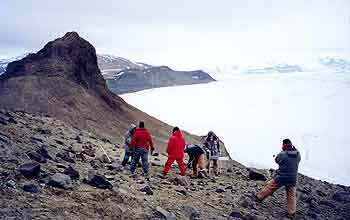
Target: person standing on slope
(288,161)
(127,141)
(212,148)
(175,151)
(141,142)
(197,158)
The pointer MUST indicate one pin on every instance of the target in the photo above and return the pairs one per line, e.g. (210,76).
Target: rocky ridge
(51,170)
(63,80)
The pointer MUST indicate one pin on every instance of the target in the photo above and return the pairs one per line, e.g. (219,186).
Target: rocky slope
(75,180)
(63,80)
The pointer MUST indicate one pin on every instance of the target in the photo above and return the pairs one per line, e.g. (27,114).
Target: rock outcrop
(63,80)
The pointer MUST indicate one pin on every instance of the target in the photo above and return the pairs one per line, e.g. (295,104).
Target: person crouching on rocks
(212,147)
(197,160)
(141,142)
(127,141)
(286,175)
(175,151)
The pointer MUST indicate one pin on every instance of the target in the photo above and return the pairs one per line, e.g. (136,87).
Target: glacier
(253,112)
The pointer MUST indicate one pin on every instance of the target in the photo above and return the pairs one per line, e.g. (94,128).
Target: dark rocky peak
(70,57)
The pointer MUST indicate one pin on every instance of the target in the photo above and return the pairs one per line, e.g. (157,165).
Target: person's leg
(180,162)
(144,157)
(168,164)
(215,167)
(195,167)
(291,199)
(208,164)
(268,190)
(126,158)
(135,160)
(201,162)
(202,166)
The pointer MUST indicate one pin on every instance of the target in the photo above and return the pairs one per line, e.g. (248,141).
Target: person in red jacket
(175,151)
(141,142)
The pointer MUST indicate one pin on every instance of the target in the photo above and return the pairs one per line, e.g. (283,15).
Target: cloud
(164,31)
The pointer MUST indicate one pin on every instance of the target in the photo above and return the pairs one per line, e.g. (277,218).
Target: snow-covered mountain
(5,62)
(111,65)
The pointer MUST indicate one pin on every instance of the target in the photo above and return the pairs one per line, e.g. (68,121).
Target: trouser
(198,162)
(140,153)
(127,155)
(272,186)
(180,162)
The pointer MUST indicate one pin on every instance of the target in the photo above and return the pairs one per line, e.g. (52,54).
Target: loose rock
(147,189)
(256,175)
(164,213)
(99,182)
(30,170)
(70,171)
(60,180)
(31,188)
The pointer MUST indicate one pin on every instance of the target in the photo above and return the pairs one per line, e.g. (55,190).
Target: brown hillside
(63,80)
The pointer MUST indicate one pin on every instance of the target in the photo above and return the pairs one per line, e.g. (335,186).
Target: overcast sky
(176,32)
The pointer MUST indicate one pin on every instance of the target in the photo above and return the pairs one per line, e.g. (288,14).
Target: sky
(182,32)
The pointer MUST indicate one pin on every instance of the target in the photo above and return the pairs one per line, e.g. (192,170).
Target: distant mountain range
(123,75)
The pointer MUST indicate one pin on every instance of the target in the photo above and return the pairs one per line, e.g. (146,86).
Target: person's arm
(170,142)
(133,141)
(151,143)
(278,158)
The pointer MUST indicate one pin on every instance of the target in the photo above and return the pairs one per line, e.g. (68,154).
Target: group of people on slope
(138,142)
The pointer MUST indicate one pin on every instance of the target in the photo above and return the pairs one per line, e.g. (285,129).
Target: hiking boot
(290,215)
(256,198)
(202,175)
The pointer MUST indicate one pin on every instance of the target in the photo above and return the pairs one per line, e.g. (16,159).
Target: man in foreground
(288,161)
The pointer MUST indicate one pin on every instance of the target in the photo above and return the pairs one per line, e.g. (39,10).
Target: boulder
(190,212)
(44,153)
(30,170)
(147,189)
(237,214)
(165,214)
(65,156)
(70,171)
(181,180)
(181,190)
(36,157)
(220,190)
(99,182)
(31,188)
(256,175)
(60,180)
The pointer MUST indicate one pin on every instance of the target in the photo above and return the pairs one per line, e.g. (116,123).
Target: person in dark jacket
(175,151)
(212,147)
(288,161)
(141,142)
(197,160)
(127,141)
